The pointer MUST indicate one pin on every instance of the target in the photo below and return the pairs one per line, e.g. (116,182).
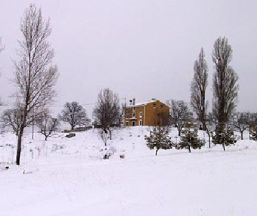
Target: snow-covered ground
(63,177)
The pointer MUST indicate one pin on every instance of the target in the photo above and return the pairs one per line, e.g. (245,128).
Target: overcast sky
(138,48)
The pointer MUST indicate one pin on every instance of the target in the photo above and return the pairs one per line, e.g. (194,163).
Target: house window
(140,122)
(133,123)
(141,114)
(127,123)
(154,105)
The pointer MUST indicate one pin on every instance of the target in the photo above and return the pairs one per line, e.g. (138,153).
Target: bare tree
(198,89)
(47,124)
(35,75)
(107,110)
(12,118)
(252,119)
(180,114)
(74,114)
(241,121)
(225,87)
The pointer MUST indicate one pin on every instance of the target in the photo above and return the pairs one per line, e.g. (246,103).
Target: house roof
(144,103)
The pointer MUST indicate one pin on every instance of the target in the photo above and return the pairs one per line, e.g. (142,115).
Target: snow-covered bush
(107,152)
(159,139)
(224,137)
(189,138)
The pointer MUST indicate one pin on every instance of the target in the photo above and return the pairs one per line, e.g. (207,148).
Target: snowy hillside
(68,177)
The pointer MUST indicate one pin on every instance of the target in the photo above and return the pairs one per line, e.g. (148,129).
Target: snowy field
(64,177)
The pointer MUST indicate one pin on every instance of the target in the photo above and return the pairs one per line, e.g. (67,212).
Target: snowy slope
(63,177)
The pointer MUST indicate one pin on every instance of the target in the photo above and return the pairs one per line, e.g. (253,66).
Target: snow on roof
(142,103)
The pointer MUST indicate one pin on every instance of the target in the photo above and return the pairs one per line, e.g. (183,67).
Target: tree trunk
(209,137)
(179,132)
(18,154)
(220,132)
(110,133)
(204,125)
(189,149)
(156,152)
(21,131)
(223,145)
(242,135)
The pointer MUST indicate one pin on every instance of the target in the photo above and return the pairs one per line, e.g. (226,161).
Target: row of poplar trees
(225,92)
(215,123)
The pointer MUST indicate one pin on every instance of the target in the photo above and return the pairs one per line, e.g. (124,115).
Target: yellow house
(150,113)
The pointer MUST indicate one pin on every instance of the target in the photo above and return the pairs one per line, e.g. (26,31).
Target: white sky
(138,48)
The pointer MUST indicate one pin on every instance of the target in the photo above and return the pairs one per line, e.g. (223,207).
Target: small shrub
(224,137)
(159,139)
(189,138)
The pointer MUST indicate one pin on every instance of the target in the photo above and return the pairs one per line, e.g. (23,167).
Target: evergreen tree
(189,138)
(159,139)
(226,137)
